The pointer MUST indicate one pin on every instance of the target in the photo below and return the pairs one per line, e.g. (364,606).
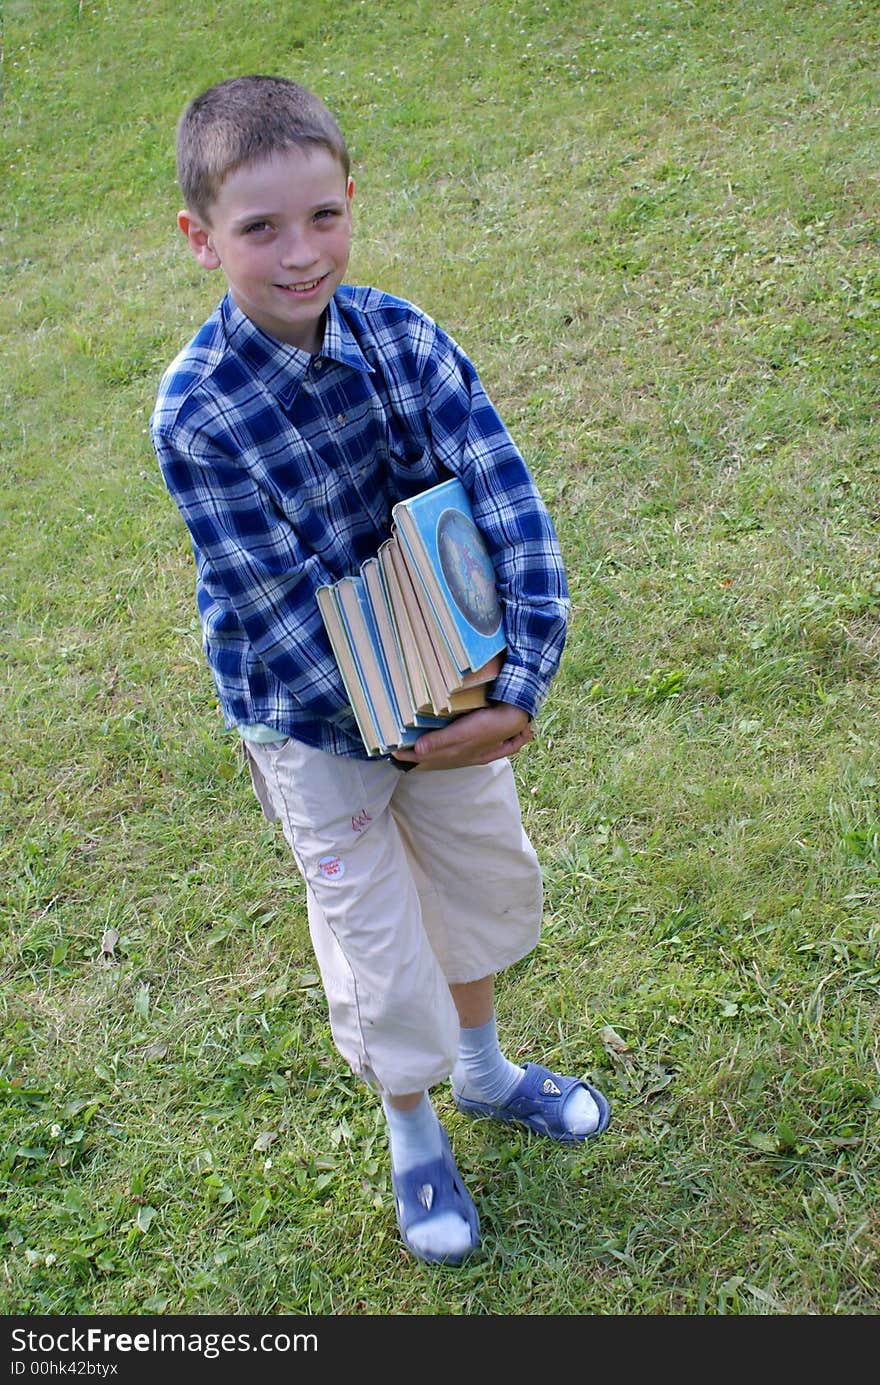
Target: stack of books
(418,633)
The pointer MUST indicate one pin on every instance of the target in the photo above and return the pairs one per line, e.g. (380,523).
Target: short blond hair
(243,120)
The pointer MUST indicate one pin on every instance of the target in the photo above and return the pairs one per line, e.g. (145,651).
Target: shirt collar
(283,368)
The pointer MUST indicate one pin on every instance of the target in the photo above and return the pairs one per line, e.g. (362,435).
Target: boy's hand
(476,738)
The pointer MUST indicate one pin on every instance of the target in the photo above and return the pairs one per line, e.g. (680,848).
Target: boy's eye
(256,226)
(325,212)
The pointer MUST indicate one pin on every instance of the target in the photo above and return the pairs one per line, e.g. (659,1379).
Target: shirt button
(340,419)
(316,365)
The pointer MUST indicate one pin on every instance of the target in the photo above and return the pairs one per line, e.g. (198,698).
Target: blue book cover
(450,557)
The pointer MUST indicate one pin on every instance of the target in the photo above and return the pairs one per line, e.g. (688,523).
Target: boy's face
(280,230)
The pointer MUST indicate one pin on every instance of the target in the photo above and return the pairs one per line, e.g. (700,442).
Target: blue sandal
(428,1189)
(538,1102)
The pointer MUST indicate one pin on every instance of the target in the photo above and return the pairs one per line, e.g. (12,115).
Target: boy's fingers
(477,738)
(468,753)
(486,728)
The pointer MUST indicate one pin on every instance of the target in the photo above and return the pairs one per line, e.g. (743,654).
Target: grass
(654,229)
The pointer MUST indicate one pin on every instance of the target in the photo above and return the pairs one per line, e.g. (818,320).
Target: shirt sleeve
(470,440)
(252,571)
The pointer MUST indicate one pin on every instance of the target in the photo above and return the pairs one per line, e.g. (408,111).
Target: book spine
(388,643)
(328,605)
(412,661)
(437,684)
(366,657)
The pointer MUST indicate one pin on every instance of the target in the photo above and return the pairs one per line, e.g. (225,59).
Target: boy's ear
(198,237)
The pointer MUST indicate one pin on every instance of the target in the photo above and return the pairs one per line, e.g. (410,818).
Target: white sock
(414,1138)
(580,1114)
(481,1072)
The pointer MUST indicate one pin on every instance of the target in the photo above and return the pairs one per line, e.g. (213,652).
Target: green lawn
(654,228)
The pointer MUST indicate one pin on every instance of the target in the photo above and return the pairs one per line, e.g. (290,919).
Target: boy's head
(242,121)
(265,173)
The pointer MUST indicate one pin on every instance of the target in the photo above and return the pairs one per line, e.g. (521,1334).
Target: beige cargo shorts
(414,880)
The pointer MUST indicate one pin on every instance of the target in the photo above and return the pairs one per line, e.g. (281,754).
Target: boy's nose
(297,251)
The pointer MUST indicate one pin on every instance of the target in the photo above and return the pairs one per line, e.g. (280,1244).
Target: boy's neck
(311,343)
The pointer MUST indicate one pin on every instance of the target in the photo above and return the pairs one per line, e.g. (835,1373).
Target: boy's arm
(254,566)
(469,438)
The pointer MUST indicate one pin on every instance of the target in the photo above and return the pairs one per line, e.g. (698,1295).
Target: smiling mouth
(305,287)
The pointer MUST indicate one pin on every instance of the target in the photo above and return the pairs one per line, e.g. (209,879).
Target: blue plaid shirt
(285,466)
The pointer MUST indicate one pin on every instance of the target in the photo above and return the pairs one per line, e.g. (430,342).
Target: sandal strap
(544,1092)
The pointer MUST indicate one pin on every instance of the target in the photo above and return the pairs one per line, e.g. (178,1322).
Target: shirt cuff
(519,688)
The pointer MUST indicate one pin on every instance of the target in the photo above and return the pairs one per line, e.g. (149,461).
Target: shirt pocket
(411,469)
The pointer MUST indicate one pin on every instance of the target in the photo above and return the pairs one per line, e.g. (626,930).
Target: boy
(302,410)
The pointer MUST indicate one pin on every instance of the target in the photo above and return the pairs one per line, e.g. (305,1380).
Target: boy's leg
(436,1215)
(480,883)
(485,1082)
(391,1013)
(477,874)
